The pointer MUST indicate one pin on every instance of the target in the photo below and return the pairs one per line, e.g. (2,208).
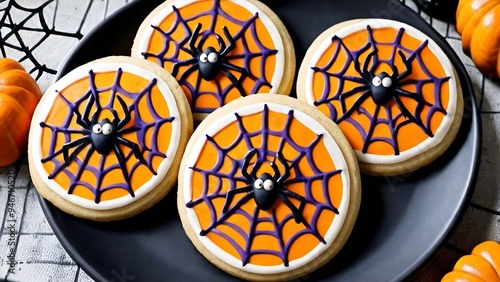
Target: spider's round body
(382,88)
(103,136)
(265,189)
(209,63)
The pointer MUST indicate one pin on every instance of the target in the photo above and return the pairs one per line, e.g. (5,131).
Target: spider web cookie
(389,87)
(105,142)
(266,191)
(218,50)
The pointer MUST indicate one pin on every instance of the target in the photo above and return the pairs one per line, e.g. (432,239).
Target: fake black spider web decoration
(336,98)
(13,37)
(247,32)
(264,155)
(82,153)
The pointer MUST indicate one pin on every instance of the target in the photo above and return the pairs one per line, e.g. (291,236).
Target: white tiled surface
(38,254)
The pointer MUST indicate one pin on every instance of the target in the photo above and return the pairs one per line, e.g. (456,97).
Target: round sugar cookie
(390,88)
(269,188)
(218,50)
(106,139)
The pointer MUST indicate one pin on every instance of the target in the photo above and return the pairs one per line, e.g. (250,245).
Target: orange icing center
(60,111)
(410,134)
(208,159)
(254,67)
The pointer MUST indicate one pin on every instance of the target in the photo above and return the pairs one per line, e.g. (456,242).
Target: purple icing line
(140,128)
(329,96)
(215,12)
(263,153)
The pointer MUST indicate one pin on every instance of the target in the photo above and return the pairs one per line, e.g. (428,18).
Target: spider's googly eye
(97,129)
(203,58)
(376,81)
(258,184)
(268,185)
(387,82)
(213,57)
(107,128)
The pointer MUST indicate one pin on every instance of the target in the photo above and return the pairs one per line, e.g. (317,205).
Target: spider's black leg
(367,139)
(194,38)
(348,94)
(237,82)
(403,109)
(364,73)
(277,173)
(226,215)
(75,143)
(95,116)
(408,66)
(297,212)
(58,152)
(286,173)
(343,96)
(409,116)
(366,63)
(136,150)
(395,73)
(126,111)
(176,65)
(197,87)
(230,39)
(414,96)
(241,70)
(190,70)
(354,106)
(123,166)
(230,195)
(116,119)
(189,51)
(357,67)
(83,120)
(222,45)
(246,163)
(64,165)
(193,52)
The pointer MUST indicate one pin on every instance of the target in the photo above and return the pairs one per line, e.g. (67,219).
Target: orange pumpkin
(478,21)
(482,265)
(19,95)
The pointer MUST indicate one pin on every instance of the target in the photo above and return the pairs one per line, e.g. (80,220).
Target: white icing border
(442,130)
(83,72)
(332,148)
(279,70)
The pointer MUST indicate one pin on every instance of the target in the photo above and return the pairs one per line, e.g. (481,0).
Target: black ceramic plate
(402,221)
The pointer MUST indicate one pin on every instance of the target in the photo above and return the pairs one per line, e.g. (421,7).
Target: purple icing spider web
(256,217)
(141,125)
(336,99)
(241,56)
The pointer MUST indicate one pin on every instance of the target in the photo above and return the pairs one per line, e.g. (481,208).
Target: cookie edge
(355,190)
(151,198)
